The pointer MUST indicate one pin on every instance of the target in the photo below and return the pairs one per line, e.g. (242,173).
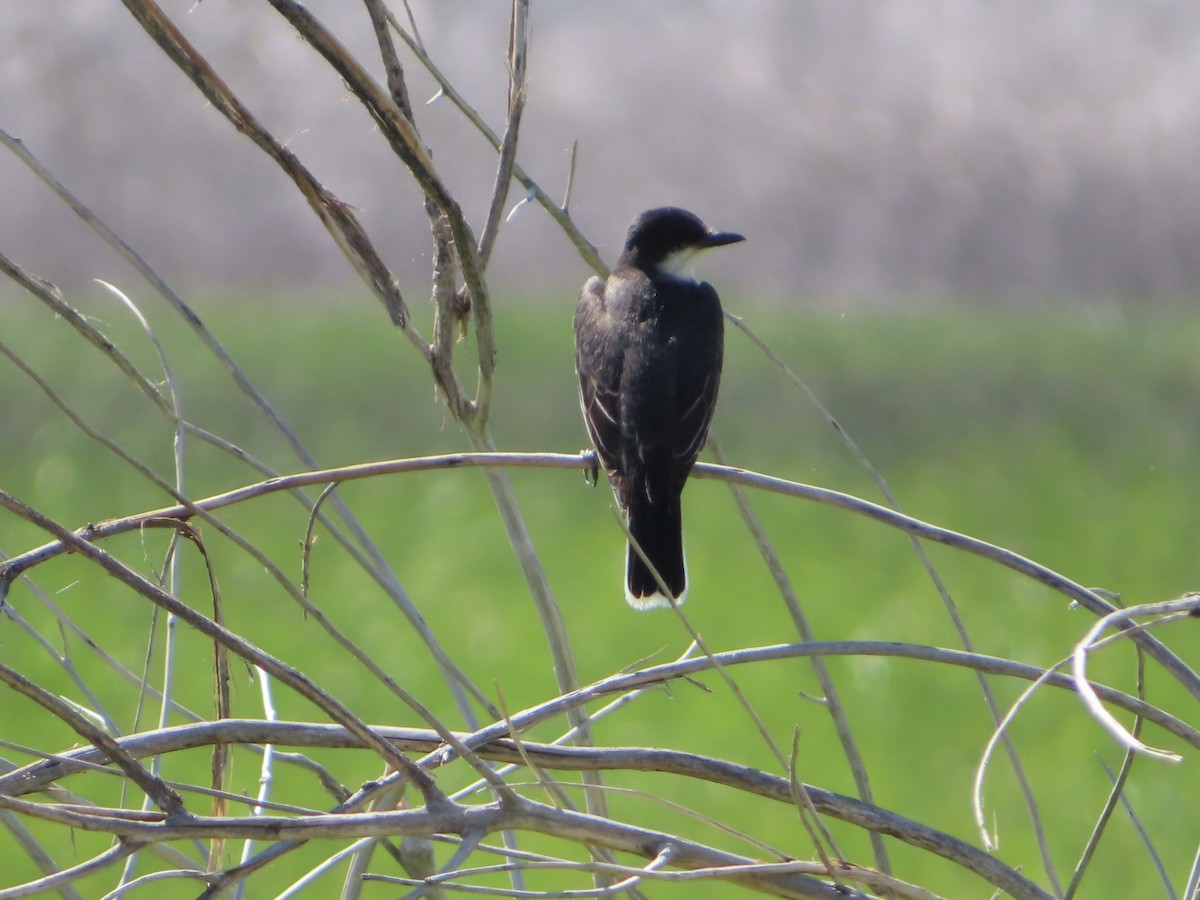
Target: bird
(649,343)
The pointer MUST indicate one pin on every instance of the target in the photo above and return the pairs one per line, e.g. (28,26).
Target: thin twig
(64,661)
(109,857)
(998,733)
(939,585)
(1169,611)
(1114,795)
(164,797)
(379,569)
(402,137)
(36,852)
(14,566)
(1163,875)
(566,202)
(522,815)
(295,679)
(52,297)
(337,217)
(832,698)
(586,248)
(518,83)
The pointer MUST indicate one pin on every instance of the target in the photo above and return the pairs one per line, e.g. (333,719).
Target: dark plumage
(648,349)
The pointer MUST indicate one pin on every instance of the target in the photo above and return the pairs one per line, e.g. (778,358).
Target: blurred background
(974,232)
(882,151)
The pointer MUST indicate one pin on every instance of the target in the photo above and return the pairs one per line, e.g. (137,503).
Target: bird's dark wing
(694,421)
(598,362)
(698,376)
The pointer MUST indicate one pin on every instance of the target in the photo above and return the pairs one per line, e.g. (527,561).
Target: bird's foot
(591,466)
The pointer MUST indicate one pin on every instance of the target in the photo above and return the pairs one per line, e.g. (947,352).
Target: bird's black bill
(721,238)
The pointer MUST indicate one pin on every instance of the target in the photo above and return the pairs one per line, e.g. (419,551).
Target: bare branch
(394,71)
(402,137)
(1169,611)
(286,674)
(916,527)
(518,60)
(36,852)
(586,248)
(521,815)
(50,295)
(492,743)
(829,690)
(1114,797)
(341,223)
(63,879)
(939,585)
(481,757)
(163,796)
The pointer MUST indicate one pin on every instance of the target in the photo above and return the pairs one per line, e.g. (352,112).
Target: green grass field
(1068,437)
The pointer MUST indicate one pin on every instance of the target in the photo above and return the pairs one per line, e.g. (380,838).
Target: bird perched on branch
(648,349)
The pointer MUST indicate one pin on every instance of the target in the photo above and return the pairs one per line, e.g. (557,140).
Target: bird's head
(668,239)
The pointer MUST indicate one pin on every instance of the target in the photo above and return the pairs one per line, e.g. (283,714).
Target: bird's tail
(658,530)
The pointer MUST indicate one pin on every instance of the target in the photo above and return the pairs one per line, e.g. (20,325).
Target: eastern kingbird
(648,348)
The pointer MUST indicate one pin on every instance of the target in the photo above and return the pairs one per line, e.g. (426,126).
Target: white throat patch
(682,263)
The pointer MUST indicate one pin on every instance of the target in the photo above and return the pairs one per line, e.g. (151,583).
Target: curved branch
(58,880)
(1092,601)
(519,814)
(289,675)
(1172,609)
(375,564)
(491,744)
(1086,598)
